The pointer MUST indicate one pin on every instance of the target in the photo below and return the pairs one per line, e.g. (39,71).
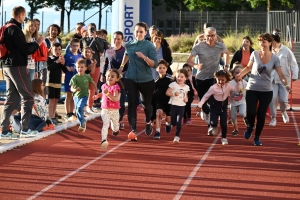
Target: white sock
(167,124)
(158,129)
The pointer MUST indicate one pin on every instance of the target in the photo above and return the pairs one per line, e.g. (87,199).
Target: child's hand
(185,99)
(176,93)
(105,91)
(95,97)
(197,109)
(199,66)
(195,92)
(70,69)
(62,60)
(102,78)
(77,89)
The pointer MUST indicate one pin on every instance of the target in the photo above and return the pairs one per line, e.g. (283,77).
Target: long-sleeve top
(54,72)
(138,70)
(220,93)
(114,60)
(161,87)
(288,65)
(19,49)
(191,92)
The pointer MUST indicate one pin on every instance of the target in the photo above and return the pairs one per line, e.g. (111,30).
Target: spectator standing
(243,54)
(97,45)
(31,34)
(53,32)
(14,70)
(55,66)
(40,58)
(71,58)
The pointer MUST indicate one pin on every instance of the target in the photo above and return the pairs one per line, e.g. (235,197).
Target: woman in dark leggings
(142,56)
(259,88)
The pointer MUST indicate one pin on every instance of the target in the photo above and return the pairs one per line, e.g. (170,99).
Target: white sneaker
(209,132)
(28,133)
(215,131)
(90,111)
(176,139)
(285,117)
(104,145)
(212,131)
(224,141)
(273,122)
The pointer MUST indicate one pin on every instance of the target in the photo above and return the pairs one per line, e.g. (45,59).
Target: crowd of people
(140,70)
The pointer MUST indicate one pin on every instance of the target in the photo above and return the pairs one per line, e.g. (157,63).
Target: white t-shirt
(238,97)
(178,100)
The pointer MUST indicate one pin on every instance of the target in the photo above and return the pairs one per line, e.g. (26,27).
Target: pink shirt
(220,93)
(106,102)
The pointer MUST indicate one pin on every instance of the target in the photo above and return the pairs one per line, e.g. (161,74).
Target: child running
(177,92)
(80,88)
(219,93)
(237,99)
(160,98)
(110,104)
(191,82)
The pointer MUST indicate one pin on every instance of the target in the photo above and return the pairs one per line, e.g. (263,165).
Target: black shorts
(53,93)
(164,106)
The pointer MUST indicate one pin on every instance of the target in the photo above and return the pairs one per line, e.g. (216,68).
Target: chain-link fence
(176,22)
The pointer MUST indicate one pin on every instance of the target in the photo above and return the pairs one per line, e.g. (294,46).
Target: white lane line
(77,170)
(296,126)
(195,170)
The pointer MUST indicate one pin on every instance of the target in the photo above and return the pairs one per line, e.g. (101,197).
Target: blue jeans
(79,104)
(31,73)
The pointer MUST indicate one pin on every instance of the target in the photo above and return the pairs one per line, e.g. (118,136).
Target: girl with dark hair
(259,88)
(218,101)
(290,70)
(142,57)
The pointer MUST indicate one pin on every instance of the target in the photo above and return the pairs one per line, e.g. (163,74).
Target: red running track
(70,165)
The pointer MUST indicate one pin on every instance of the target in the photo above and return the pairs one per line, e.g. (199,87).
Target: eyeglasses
(75,45)
(210,36)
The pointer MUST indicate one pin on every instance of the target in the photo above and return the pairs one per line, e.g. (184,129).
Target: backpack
(3,50)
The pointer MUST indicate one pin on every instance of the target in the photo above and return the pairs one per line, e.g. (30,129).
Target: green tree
(99,4)
(270,3)
(35,5)
(59,5)
(170,4)
(72,5)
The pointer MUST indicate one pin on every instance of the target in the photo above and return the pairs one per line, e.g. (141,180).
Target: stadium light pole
(107,10)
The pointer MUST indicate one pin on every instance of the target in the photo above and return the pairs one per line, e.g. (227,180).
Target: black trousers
(263,99)
(218,109)
(202,87)
(133,89)
(176,113)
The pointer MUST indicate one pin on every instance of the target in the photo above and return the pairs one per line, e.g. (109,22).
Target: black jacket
(15,42)
(238,56)
(54,70)
(167,55)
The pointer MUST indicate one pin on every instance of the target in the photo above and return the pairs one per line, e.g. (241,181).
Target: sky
(53,17)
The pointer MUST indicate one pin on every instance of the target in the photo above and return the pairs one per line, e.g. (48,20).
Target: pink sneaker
(188,121)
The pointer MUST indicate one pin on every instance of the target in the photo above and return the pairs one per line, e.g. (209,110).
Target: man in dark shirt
(18,83)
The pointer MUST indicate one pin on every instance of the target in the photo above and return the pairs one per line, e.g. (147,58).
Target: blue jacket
(138,70)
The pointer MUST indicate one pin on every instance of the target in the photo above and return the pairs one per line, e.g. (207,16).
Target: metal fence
(176,22)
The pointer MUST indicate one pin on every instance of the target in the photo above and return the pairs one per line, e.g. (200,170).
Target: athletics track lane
(193,169)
